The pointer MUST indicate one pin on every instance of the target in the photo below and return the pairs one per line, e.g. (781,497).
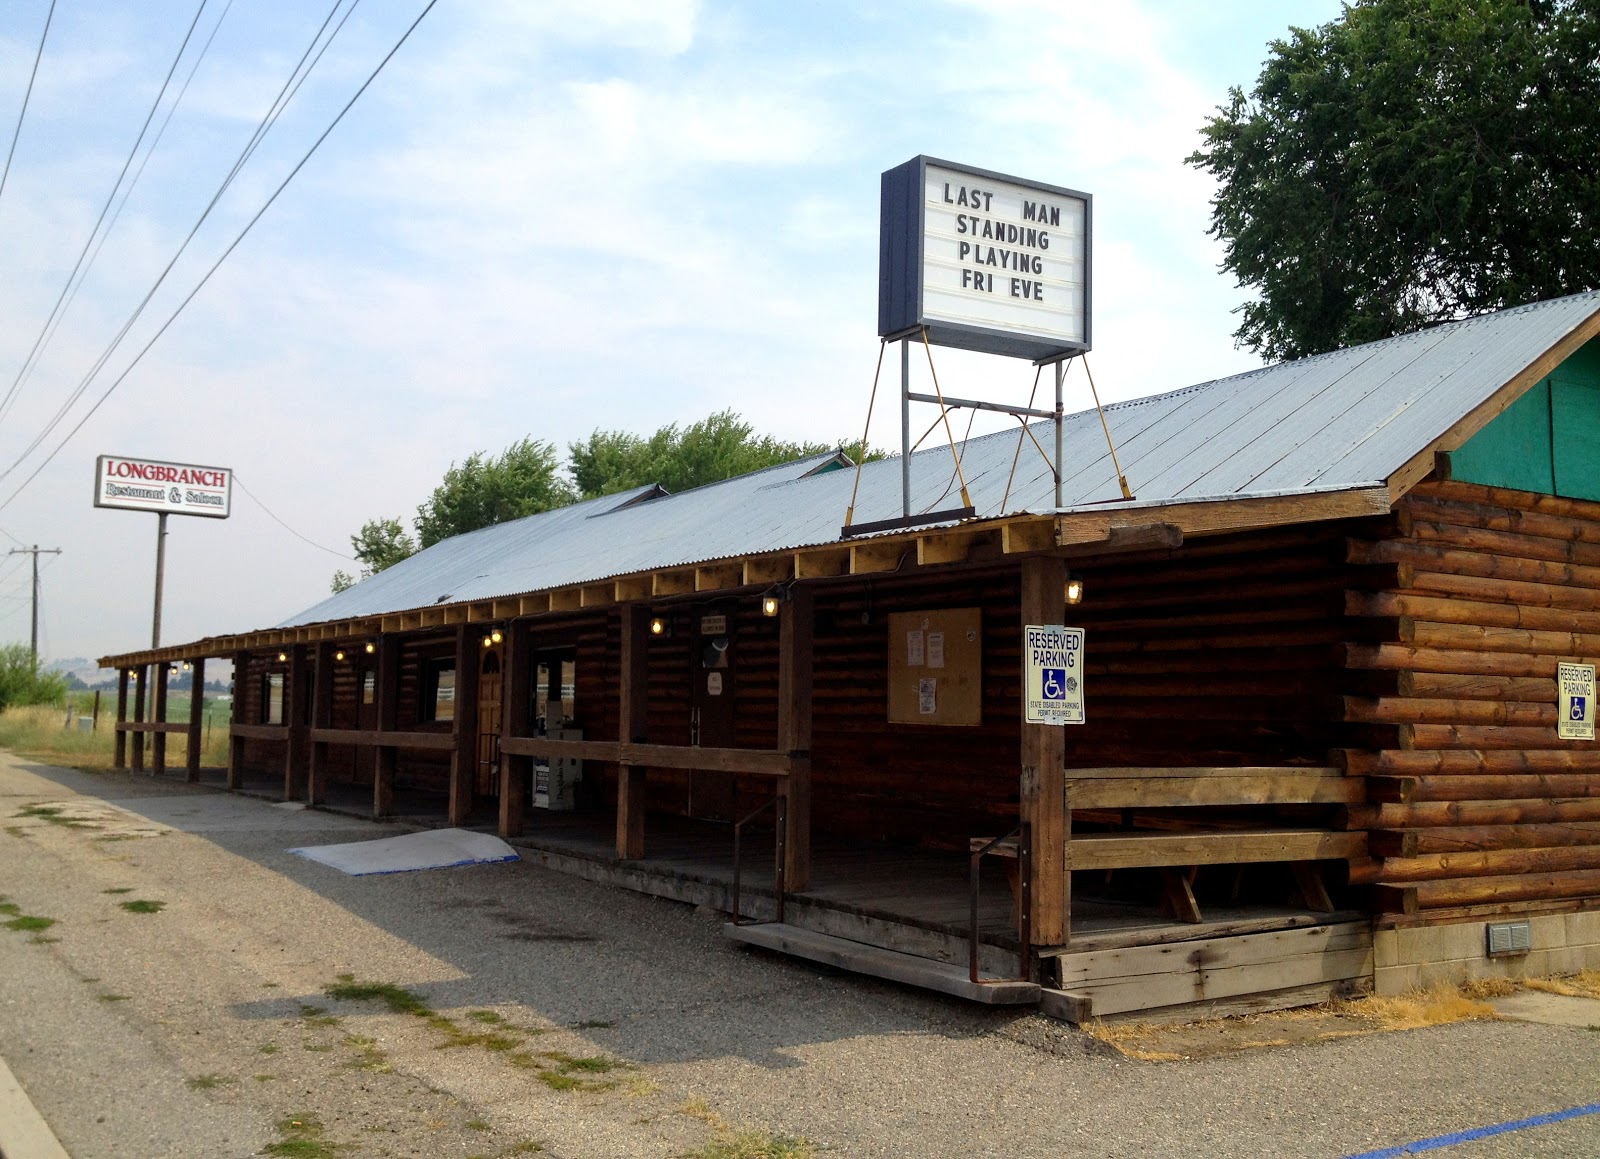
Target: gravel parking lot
(507,1009)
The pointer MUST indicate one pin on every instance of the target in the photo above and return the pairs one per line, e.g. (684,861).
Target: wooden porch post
(197,708)
(635,669)
(515,700)
(464,757)
(120,761)
(138,715)
(388,695)
(794,732)
(321,717)
(295,717)
(1043,786)
(158,741)
(241,672)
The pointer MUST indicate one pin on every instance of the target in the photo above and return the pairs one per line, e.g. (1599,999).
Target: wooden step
(860,958)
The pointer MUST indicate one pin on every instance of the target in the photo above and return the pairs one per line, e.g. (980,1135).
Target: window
(272,699)
(438,691)
(369,687)
(554,687)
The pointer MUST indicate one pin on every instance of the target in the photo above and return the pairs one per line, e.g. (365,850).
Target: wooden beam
(387,694)
(1229,847)
(440,742)
(944,547)
(120,760)
(632,588)
(795,626)
(768,569)
(633,697)
(515,708)
(1022,535)
(138,714)
(1171,792)
(197,707)
(718,577)
(464,727)
(874,556)
(672,583)
(1222,515)
(821,562)
(241,674)
(534,605)
(1043,781)
(321,718)
(566,599)
(294,716)
(597,595)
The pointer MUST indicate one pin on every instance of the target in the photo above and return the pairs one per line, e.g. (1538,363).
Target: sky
(539,219)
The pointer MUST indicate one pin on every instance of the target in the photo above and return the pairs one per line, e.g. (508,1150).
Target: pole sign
(1053,674)
(165,488)
(983,261)
(1575,701)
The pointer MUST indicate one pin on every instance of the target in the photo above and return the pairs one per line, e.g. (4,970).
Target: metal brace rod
(958,403)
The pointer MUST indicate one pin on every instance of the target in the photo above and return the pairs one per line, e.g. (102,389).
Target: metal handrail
(1024,835)
(779,847)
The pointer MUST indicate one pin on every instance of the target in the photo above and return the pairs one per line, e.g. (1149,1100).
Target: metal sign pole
(161,569)
(905,427)
(1061,373)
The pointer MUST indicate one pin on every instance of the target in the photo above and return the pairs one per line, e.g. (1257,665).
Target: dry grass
(1436,1007)
(39,733)
(1583,984)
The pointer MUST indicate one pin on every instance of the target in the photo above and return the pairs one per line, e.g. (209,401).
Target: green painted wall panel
(1575,424)
(1514,450)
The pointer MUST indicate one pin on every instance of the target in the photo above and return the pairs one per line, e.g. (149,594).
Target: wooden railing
(761,762)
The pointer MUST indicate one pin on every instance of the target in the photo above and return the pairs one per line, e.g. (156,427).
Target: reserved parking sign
(1053,676)
(1575,701)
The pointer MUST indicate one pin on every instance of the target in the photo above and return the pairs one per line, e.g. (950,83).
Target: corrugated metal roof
(1345,419)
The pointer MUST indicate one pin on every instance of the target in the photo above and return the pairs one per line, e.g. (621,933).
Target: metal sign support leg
(161,570)
(905,427)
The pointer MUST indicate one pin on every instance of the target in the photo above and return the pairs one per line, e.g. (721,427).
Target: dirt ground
(174,982)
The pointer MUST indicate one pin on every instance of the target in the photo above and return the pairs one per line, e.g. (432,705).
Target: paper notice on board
(935,649)
(928,695)
(915,649)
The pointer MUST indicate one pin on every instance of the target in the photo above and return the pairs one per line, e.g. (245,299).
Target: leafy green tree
(380,544)
(1411,162)
(521,480)
(717,447)
(20,684)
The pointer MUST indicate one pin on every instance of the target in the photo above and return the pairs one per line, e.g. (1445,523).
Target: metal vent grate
(1506,938)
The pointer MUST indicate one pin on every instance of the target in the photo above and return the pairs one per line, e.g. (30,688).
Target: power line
(285,526)
(17,132)
(216,265)
(267,120)
(59,312)
(99,221)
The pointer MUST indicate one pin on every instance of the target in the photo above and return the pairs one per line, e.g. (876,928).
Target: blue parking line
(1477,1133)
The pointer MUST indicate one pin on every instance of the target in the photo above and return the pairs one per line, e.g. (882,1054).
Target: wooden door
(489,685)
(711,794)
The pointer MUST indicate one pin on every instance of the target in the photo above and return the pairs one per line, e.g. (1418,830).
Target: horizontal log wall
(1492,588)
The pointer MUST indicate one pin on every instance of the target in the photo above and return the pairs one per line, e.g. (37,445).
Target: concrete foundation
(1418,957)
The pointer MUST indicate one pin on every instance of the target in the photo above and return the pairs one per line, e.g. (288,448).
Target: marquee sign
(165,488)
(983,261)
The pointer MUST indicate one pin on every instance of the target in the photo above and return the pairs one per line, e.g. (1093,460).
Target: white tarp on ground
(430,849)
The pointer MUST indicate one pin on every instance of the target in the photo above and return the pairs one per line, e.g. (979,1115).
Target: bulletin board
(936,667)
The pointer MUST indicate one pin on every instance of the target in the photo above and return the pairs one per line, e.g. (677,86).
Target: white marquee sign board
(984,261)
(162,487)
(1052,688)
(1575,701)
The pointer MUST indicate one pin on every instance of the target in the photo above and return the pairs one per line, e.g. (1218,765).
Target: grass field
(40,732)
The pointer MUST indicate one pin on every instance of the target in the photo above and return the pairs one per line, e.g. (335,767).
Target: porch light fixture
(659,627)
(371,647)
(496,635)
(773,599)
(283,657)
(187,666)
(488,643)
(1074,590)
(339,655)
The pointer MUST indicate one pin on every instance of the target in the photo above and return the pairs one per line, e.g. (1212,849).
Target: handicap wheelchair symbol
(1055,683)
(1578,711)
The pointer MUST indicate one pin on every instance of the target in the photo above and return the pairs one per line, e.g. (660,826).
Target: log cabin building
(1321,748)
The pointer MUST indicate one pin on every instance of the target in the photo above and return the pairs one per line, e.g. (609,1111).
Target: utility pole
(36,551)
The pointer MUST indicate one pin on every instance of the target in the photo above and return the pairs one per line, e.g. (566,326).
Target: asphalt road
(601,1023)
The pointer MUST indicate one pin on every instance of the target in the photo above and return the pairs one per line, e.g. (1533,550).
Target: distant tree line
(529,477)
